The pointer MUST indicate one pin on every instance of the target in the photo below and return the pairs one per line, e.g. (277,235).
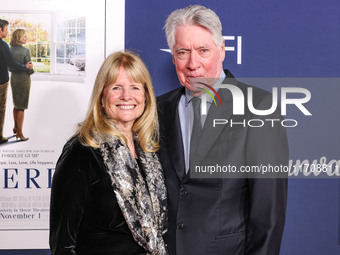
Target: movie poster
(67,45)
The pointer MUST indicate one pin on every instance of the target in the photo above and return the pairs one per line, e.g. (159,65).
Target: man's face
(4,32)
(195,54)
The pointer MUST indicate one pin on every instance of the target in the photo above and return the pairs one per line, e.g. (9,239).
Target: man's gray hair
(194,15)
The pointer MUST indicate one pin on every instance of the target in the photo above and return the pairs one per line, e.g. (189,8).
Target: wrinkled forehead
(194,35)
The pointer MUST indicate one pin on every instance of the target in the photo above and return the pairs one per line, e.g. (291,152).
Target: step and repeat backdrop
(281,44)
(291,43)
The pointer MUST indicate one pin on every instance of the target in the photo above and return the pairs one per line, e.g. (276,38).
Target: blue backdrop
(279,39)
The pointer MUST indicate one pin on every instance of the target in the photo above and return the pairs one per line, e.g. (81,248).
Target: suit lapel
(210,133)
(175,142)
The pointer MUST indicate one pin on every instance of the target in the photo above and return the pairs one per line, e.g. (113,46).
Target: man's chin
(196,92)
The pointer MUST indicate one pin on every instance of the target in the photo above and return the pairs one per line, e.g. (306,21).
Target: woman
(108,193)
(20,82)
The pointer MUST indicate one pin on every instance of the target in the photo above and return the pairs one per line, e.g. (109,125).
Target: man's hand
(29,65)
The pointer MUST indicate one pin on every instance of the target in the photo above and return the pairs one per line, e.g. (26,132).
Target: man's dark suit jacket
(228,216)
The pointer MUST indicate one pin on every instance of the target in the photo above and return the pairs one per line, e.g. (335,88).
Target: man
(209,216)
(6,60)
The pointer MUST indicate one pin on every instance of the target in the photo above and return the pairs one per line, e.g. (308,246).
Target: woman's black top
(85,218)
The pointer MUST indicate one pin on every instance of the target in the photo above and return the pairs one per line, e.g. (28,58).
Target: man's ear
(173,59)
(222,52)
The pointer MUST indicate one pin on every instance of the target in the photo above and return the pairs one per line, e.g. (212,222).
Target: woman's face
(24,39)
(124,100)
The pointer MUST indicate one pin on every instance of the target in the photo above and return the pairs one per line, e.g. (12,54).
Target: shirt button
(184,193)
(180,225)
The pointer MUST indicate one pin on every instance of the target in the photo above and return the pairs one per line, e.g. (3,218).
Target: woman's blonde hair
(97,122)
(17,37)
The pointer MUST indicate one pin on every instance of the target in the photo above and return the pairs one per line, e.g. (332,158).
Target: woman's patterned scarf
(141,200)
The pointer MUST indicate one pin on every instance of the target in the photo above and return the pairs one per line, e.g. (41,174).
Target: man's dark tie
(196,128)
